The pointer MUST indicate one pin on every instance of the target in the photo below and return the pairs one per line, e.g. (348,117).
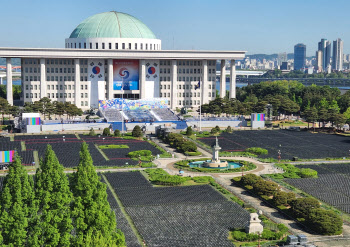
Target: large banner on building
(34,121)
(125,74)
(152,79)
(96,70)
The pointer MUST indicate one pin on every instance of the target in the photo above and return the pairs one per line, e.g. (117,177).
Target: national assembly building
(114,55)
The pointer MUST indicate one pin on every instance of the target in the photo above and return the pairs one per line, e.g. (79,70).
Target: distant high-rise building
(281,57)
(326,47)
(337,60)
(299,56)
(319,61)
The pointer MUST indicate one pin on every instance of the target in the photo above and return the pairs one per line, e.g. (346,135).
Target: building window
(65,95)
(103,45)
(135,46)
(86,95)
(146,46)
(85,87)
(81,87)
(86,103)
(90,45)
(141,46)
(69,95)
(61,95)
(82,95)
(82,103)
(110,45)
(31,95)
(27,95)
(96,45)
(123,46)
(53,95)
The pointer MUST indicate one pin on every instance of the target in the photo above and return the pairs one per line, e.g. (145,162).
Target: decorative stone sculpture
(254,225)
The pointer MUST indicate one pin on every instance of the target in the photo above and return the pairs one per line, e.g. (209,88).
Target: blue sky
(255,26)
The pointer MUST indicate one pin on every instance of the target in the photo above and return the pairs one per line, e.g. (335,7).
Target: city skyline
(263,28)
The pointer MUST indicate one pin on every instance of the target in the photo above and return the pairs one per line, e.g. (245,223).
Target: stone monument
(254,225)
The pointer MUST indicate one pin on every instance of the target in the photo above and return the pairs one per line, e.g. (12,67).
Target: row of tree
(315,103)
(300,74)
(45,106)
(306,210)
(56,210)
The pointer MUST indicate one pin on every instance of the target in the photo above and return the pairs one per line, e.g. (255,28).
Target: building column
(77,83)
(110,79)
(43,84)
(173,102)
(223,79)
(233,79)
(9,94)
(204,84)
(142,79)
(1,81)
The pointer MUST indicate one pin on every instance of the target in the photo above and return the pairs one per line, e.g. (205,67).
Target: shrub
(189,131)
(113,146)
(301,207)
(136,132)
(197,153)
(92,132)
(117,133)
(283,198)
(136,154)
(229,129)
(307,173)
(203,179)
(266,188)
(106,132)
(250,179)
(325,222)
(215,130)
(188,146)
(258,151)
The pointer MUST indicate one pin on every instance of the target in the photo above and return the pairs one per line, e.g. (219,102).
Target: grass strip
(101,152)
(23,146)
(128,218)
(36,159)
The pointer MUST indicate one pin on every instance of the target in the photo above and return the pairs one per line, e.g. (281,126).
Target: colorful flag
(198,85)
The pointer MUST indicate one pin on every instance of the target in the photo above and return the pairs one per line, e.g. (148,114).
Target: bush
(308,173)
(215,130)
(197,153)
(203,179)
(136,132)
(92,132)
(266,188)
(229,129)
(106,132)
(325,222)
(301,207)
(117,133)
(250,179)
(258,151)
(189,146)
(189,131)
(283,198)
(136,154)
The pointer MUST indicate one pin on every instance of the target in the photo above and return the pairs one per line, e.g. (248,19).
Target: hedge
(136,154)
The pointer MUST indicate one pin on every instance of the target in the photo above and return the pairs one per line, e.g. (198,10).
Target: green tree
(229,129)
(251,179)
(92,132)
(302,206)
(16,205)
(189,146)
(91,211)
(106,132)
(136,132)
(266,187)
(189,131)
(325,222)
(283,198)
(310,115)
(4,107)
(117,133)
(53,224)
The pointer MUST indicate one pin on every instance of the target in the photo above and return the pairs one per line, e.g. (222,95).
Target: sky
(255,26)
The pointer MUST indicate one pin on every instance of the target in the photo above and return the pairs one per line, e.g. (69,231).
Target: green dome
(112,25)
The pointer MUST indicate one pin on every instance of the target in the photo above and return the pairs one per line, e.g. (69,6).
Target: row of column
(204,90)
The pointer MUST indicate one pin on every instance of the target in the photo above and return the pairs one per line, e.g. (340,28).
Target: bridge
(333,82)
(246,73)
(3,75)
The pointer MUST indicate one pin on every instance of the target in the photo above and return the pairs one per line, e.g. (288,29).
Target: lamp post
(242,170)
(279,156)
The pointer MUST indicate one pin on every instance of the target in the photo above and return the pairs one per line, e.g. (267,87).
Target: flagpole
(200,108)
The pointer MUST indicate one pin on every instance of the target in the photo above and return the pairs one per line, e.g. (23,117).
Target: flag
(198,85)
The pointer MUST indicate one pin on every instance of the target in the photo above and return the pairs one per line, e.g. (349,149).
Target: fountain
(215,162)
